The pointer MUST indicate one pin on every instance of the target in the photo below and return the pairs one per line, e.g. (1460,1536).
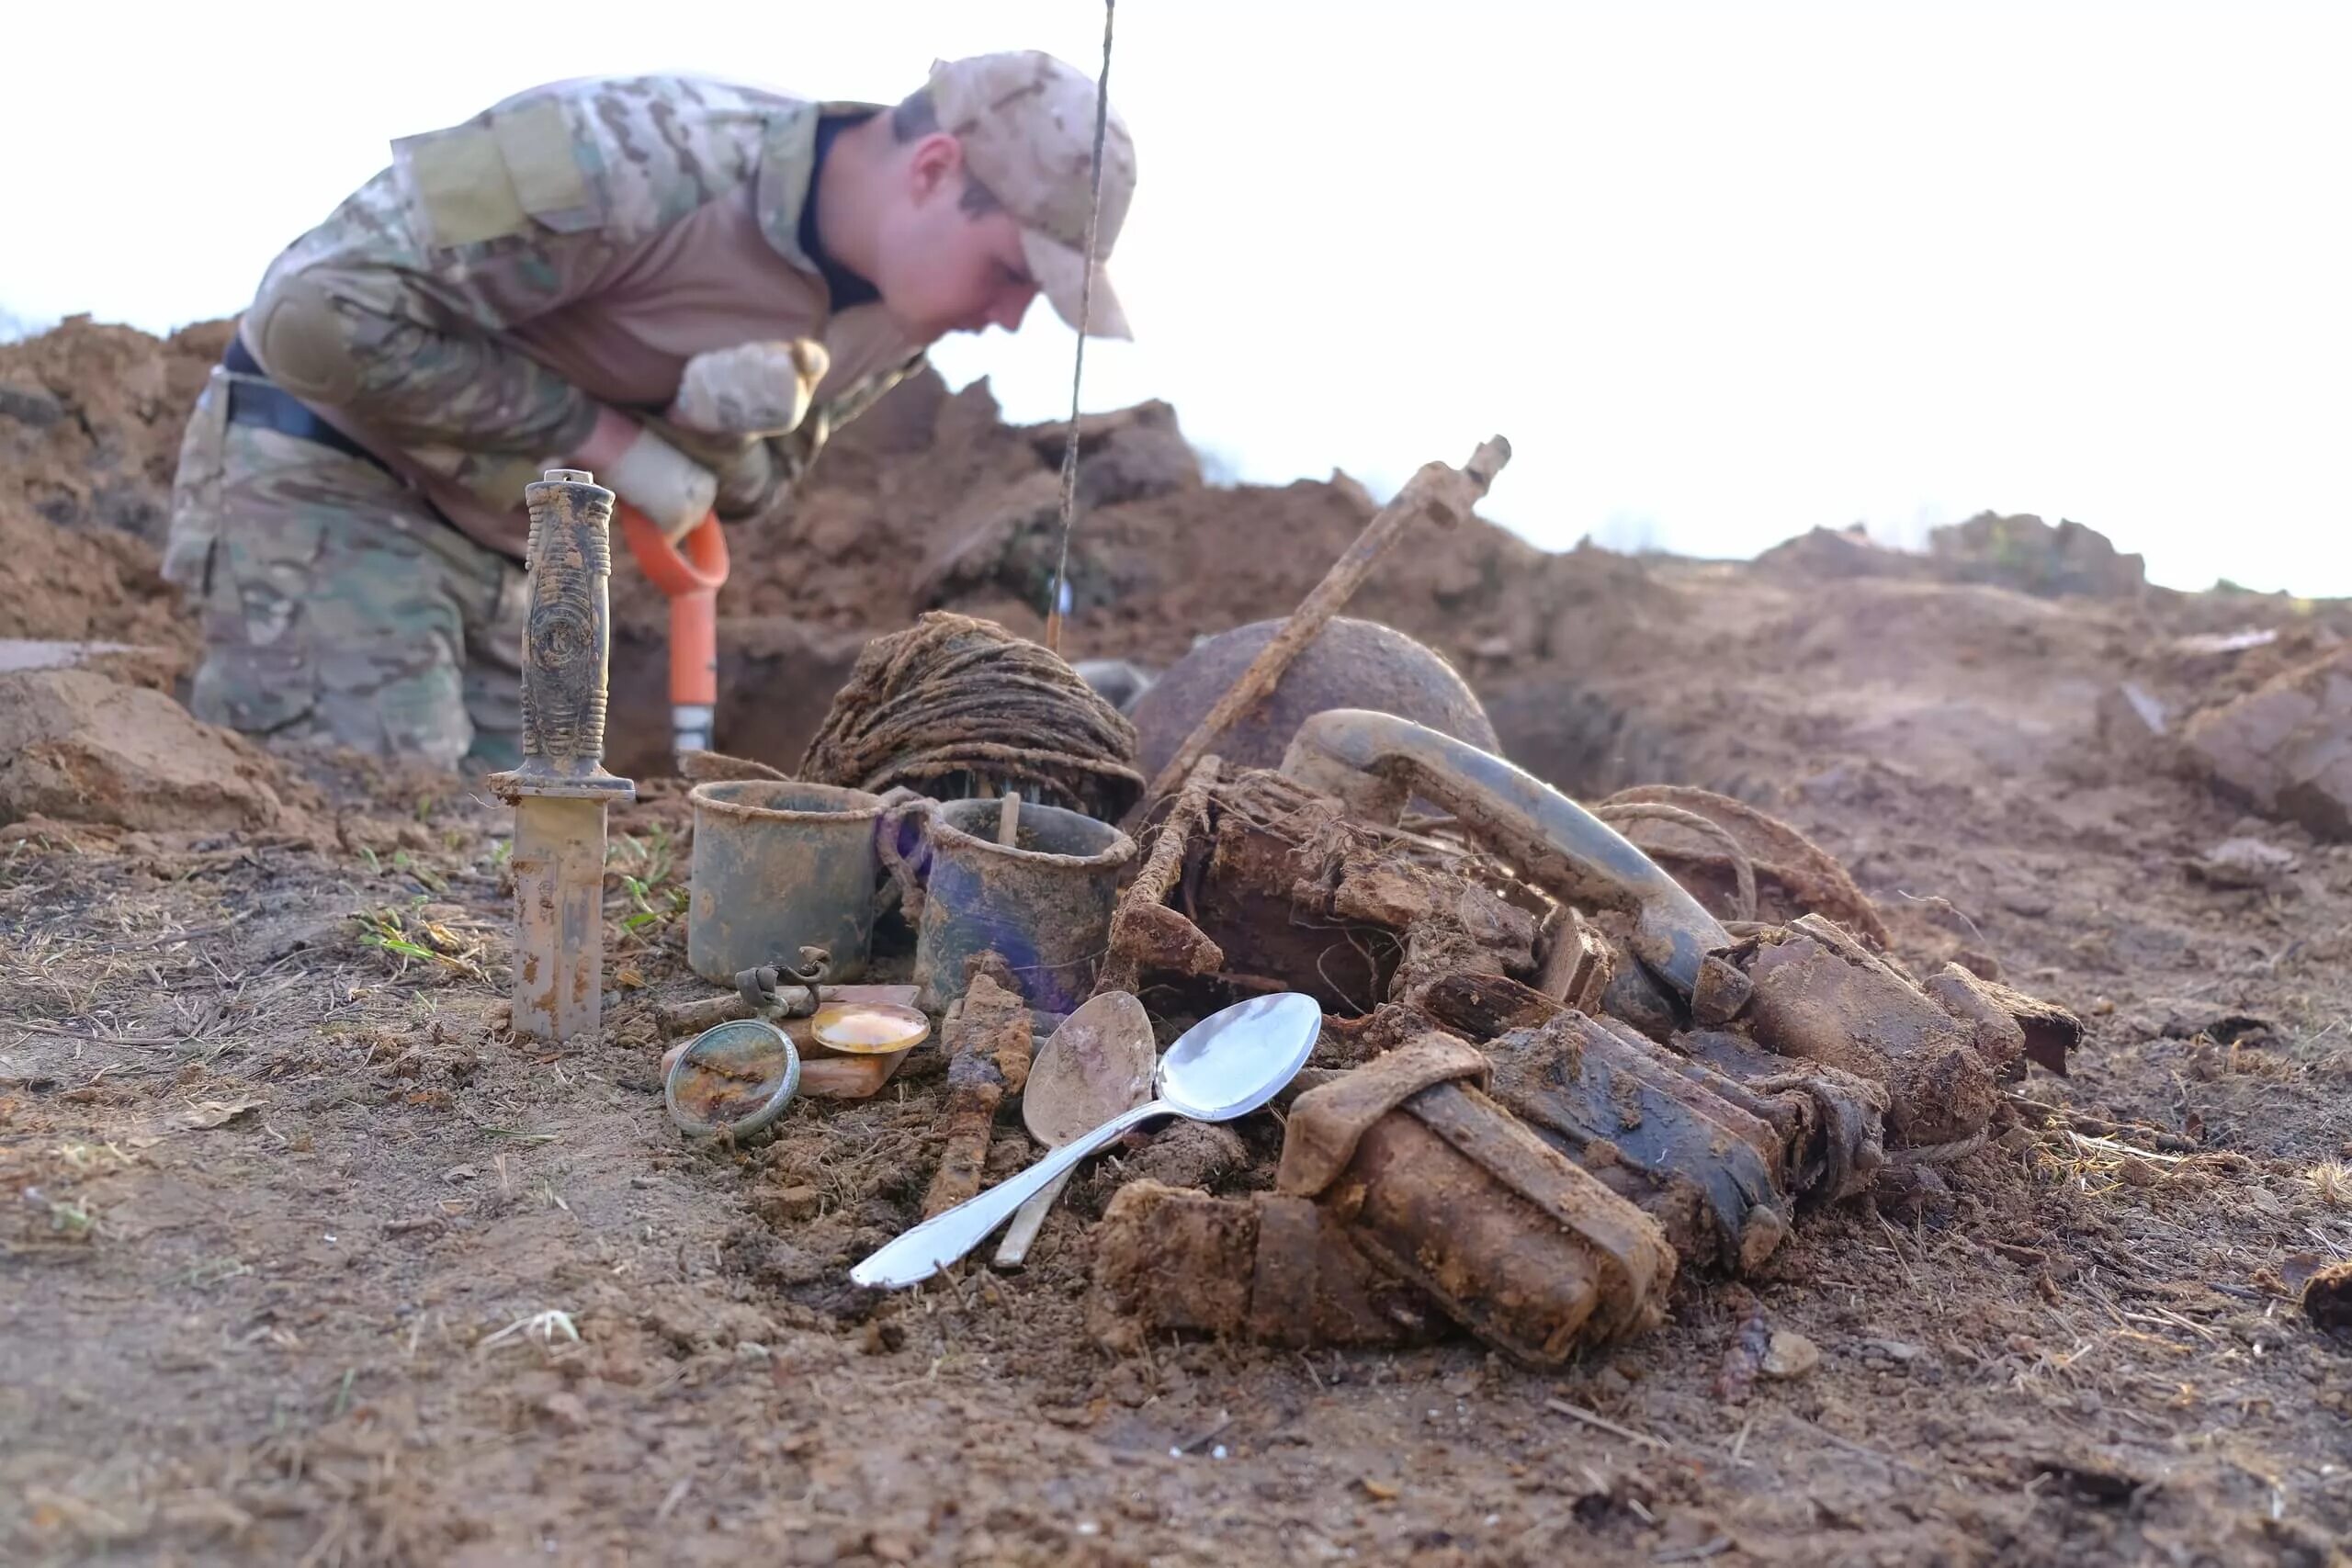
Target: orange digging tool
(690,577)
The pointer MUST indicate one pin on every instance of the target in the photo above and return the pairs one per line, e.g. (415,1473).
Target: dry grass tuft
(2331,1183)
(414,936)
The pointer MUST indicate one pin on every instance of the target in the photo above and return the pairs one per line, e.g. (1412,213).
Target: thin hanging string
(1078,369)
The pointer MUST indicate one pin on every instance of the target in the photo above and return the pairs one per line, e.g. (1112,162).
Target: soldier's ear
(934,164)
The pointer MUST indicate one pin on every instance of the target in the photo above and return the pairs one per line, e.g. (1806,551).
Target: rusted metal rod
(791,1002)
(987,1058)
(1446,494)
(1121,969)
(1158,872)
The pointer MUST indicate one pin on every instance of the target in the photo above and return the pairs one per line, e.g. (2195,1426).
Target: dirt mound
(75,747)
(1827,554)
(2027,554)
(90,423)
(2285,747)
(932,502)
(2021,553)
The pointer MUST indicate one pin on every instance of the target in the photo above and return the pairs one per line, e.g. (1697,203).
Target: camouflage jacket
(465,313)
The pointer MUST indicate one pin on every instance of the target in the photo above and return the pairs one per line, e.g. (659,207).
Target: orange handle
(702,569)
(691,580)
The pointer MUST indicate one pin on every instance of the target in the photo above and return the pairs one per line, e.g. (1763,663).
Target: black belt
(270,407)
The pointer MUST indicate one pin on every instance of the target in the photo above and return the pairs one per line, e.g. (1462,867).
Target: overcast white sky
(1721,272)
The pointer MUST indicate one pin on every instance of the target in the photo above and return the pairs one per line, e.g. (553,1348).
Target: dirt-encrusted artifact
(1041,903)
(561,790)
(1721,1141)
(953,700)
(1577,960)
(1373,762)
(1741,864)
(987,1058)
(1720,1164)
(1145,934)
(1270,1267)
(1816,1035)
(1443,1187)
(1820,995)
(2045,1033)
(1349,663)
(1351,913)
(1402,1186)
(779,868)
(1446,495)
(1807,990)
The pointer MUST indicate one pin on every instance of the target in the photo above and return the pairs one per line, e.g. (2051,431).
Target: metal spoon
(1095,1064)
(1225,1066)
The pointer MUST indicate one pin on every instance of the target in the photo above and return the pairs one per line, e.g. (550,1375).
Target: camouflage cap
(1027,121)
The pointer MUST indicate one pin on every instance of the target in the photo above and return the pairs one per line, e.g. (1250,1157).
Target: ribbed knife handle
(567,642)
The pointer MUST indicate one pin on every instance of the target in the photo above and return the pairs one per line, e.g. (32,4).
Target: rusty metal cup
(780,865)
(1042,902)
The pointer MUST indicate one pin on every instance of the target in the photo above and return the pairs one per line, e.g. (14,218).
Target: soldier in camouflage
(679,284)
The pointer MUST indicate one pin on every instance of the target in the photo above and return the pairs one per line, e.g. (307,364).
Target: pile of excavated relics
(1549,1076)
(1563,1055)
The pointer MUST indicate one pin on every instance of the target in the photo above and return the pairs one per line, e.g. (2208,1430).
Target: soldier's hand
(675,491)
(754,389)
(756,481)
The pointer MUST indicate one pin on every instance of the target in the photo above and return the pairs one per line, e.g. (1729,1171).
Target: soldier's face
(943,269)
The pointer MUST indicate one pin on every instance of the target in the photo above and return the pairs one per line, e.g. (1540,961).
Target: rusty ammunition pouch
(1445,1188)
(1404,1192)
(1268,1268)
(1718,1163)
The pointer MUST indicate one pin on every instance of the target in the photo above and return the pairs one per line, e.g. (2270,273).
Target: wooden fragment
(1484,1007)
(1142,928)
(1578,961)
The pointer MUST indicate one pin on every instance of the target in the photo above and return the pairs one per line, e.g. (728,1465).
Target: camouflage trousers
(338,607)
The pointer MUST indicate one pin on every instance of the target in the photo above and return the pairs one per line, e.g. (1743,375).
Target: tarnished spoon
(1225,1066)
(1095,1064)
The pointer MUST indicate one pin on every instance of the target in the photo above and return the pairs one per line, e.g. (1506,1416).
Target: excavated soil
(90,424)
(303,1259)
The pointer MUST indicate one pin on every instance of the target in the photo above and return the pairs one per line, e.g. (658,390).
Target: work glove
(754,389)
(752,475)
(761,479)
(674,491)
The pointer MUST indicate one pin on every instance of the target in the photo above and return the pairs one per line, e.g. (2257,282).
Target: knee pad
(302,339)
